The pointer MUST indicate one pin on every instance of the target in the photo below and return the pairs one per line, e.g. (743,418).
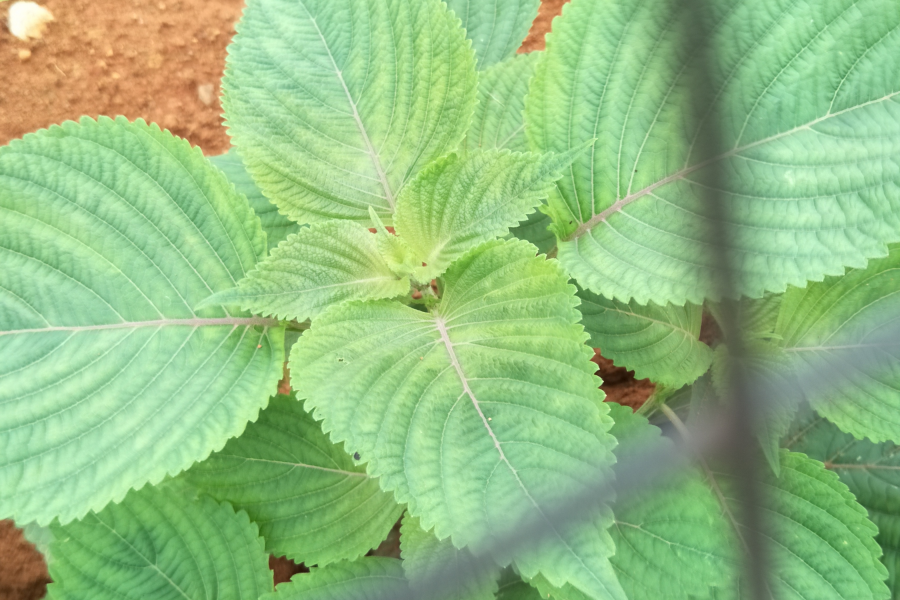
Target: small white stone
(206,93)
(28,20)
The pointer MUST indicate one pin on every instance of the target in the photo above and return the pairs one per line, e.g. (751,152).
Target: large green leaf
(871,471)
(159,544)
(672,540)
(336,104)
(109,378)
(312,503)
(481,414)
(838,326)
(276,225)
(802,94)
(496,27)
(372,578)
(459,202)
(821,544)
(319,265)
(437,570)
(659,342)
(498,122)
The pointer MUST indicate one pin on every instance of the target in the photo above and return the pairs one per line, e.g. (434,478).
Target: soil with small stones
(160,61)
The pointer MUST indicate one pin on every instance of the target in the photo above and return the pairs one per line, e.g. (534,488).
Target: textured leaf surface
(804,97)
(371,578)
(496,27)
(109,378)
(480,414)
(659,342)
(871,471)
(844,321)
(672,540)
(821,542)
(460,202)
(498,122)
(311,502)
(276,225)
(437,570)
(163,545)
(336,104)
(319,265)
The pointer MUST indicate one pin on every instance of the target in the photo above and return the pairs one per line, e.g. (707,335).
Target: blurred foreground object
(28,20)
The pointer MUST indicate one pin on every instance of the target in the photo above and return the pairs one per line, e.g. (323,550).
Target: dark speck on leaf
(356,456)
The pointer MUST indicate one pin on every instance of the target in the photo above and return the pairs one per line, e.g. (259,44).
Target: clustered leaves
(401,184)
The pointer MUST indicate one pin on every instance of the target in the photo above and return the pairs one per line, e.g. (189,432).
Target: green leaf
(871,471)
(109,377)
(163,545)
(276,225)
(821,545)
(312,502)
(480,415)
(659,342)
(320,265)
(438,571)
(372,578)
(337,104)
(842,320)
(511,587)
(803,96)
(496,27)
(672,540)
(498,123)
(459,202)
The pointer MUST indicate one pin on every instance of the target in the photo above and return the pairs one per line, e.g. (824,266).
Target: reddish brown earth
(160,61)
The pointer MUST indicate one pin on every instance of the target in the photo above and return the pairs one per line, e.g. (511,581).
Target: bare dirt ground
(161,61)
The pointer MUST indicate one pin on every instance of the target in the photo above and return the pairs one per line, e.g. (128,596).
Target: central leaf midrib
(295,465)
(194,322)
(370,149)
(618,205)
(454,361)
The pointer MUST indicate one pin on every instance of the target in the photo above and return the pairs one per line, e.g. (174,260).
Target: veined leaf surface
(496,27)
(659,342)
(370,578)
(672,541)
(804,96)
(276,225)
(498,122)
(109,378)
(479,415)
(319,265)
(871,471)
(821,542)
(842,326)
(311,502)
(459,202)
(336,104)
(162,545)
(437,570)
